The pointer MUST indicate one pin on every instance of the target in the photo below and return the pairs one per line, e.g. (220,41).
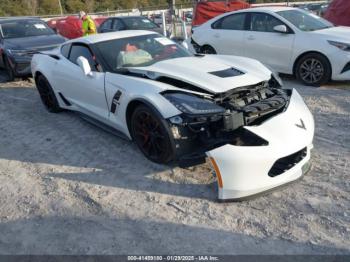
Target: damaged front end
(209,121)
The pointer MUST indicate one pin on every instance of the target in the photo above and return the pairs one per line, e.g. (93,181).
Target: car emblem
(301,125)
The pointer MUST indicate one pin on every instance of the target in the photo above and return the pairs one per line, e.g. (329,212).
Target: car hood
(335,33)
(212,73)
(43,42)
(157,30)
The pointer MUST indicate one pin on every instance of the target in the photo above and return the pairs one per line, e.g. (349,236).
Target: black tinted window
(81,50)
(231,22)
(263,22)
(139,23)
(25,28)
(107,24)
(65,50)
(117,25)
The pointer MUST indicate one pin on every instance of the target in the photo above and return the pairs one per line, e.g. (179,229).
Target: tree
(47,7)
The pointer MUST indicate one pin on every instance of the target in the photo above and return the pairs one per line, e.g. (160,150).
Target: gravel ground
(67,187)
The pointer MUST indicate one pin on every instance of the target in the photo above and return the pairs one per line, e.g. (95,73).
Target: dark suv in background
(20,38)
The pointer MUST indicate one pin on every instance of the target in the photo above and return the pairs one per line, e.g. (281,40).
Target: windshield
(305,21)
(139,51)
(139,23)
(25,28)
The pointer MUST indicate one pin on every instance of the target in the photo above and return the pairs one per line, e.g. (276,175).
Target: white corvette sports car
(184,108)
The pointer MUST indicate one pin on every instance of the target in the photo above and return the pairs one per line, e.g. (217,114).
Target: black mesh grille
(22,66)
(286,163)
(346,68)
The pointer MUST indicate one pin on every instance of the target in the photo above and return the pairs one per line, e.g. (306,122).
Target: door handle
(216,35)
(251,37)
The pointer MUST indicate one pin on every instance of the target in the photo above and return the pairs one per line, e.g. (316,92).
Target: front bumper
(243,171)
(21,65)
(340,62)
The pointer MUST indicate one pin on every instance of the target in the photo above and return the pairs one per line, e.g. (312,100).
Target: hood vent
(229,72)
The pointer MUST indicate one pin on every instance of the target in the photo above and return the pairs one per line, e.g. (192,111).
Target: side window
(263,22)
(231,22)
(65,50)
(107,24)
(81,50)
(117,25)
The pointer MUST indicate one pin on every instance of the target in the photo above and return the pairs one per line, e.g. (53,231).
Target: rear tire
(151,134)
(207,49)
(313,70)
(47,95)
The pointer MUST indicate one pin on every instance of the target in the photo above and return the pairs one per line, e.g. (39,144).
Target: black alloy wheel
(47,95)
(151,135)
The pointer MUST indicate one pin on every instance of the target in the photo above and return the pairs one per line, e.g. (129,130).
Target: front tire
(207,49)
(47,95)
(151,134)
(313,70)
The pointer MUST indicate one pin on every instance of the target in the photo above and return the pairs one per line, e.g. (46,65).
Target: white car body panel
(93,95)
(179,68)
(276,50)
(229,44)
(136,89)
(241,178)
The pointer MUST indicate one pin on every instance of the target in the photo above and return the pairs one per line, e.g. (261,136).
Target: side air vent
(286,163)
(115,101)
(230,72)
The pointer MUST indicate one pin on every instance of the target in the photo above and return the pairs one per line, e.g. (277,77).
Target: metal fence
(176,24)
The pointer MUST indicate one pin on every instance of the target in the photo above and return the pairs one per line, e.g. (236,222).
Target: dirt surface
(67,187)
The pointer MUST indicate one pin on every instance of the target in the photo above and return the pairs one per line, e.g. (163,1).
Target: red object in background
(338,12)
(205,11)
(71,26)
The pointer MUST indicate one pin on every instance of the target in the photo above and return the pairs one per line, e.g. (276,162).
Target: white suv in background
(288,40)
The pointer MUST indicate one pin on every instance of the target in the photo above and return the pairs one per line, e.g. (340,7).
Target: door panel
(264,44)
(85,92)
(228,35)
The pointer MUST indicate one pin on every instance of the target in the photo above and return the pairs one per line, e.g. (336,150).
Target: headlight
(275,80)
(193,105)
(18,52)
(276,77)
(340,45)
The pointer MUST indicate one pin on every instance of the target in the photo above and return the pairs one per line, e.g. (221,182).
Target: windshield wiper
(122,71)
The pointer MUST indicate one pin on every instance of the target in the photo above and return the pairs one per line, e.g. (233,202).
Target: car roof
(14,19)
(126,17)
(273,9)
(92,39)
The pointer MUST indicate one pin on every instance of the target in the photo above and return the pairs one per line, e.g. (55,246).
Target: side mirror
(84,65)
(280,29)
